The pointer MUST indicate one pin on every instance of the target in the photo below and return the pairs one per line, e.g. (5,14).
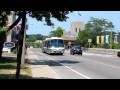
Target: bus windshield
(57,43)
(60,43)
(54,43)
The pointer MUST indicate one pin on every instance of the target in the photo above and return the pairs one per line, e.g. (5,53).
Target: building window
(76,30)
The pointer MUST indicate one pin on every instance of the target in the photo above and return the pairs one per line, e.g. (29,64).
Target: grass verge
(8,69)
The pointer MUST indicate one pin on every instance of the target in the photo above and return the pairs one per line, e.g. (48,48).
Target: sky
(37,27)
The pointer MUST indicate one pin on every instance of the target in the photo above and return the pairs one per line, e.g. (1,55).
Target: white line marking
(67,67)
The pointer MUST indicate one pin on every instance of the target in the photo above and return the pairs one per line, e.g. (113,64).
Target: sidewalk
(40,70)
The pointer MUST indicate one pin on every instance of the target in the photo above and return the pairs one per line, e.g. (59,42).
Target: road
(82,67)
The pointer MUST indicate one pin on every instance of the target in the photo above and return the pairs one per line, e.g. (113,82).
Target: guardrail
(102,51)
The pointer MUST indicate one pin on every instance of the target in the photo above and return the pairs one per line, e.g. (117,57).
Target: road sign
(89,40)
(9,44)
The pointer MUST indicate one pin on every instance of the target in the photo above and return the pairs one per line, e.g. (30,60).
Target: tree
(2,39)
(97,27)
(57,33)
(39,37)
(32,38)
(4,17)
(82,38)
(44,37)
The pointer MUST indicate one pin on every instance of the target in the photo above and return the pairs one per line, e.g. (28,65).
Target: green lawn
(8,69)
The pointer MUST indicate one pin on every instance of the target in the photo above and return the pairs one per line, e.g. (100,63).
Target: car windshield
(77,47)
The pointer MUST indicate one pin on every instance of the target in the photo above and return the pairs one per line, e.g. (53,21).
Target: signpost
(9,44)
(89,40)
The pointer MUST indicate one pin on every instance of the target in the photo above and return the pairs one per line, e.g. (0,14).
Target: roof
(53,38)
(68,38)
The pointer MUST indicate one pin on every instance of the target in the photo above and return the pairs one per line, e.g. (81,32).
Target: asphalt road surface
(82,67)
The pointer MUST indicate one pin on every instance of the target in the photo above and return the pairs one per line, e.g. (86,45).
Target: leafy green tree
(39,37)
(57,33)
(32,38)
(97,27)
(4,18)
(82,38)
(44,37)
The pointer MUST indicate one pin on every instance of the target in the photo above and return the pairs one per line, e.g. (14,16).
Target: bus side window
(48,44)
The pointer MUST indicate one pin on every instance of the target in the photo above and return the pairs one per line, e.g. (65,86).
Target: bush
(106,46)
(94,46)
(37,45)
(14,50)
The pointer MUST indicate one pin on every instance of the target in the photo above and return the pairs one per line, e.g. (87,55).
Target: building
(11,19)
(9,38)
(71,36)
(76,27)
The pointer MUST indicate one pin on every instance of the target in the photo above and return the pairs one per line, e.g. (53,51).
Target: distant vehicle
(53,45)
(31,46)
(76,50)
(118,54)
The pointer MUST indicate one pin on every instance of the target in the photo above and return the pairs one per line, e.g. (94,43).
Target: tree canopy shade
(42,15)
(47,15)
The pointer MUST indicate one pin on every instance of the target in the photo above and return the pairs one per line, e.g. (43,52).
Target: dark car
(76,50)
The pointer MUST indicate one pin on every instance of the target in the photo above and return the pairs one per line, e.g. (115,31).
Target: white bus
(53,45)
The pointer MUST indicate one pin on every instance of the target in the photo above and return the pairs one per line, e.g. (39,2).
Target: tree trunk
(20,45)
(2,37)
(1,49)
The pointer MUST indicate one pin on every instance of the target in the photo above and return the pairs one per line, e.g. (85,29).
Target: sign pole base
(9,50)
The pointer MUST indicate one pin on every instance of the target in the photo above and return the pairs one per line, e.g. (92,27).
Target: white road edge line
(67,67)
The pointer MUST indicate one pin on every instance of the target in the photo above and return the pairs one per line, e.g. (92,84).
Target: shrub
(14,50)
(94,46)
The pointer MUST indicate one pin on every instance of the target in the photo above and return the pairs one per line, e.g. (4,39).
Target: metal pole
(111,40)
(89,44)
